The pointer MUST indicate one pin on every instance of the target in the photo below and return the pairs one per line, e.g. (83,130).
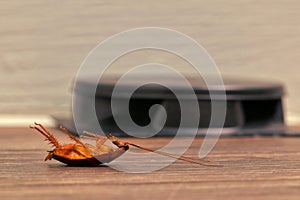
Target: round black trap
(253,107)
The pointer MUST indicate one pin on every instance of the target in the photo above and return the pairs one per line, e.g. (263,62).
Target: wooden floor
(254,168)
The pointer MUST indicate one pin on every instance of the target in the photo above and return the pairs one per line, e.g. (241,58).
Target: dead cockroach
(83,154)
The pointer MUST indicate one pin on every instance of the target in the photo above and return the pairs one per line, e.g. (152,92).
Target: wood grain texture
(254,168)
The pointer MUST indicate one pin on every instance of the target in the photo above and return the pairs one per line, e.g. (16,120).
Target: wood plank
(258,167)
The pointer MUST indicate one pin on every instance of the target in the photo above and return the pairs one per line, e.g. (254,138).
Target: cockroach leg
(49,156)
(100,140)
(75,139)
(106,158)
(47,134)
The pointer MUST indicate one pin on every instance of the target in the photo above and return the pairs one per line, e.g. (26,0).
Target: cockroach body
(83,154)
(80,154)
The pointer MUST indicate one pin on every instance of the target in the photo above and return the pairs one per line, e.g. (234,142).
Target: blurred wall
(42,43)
